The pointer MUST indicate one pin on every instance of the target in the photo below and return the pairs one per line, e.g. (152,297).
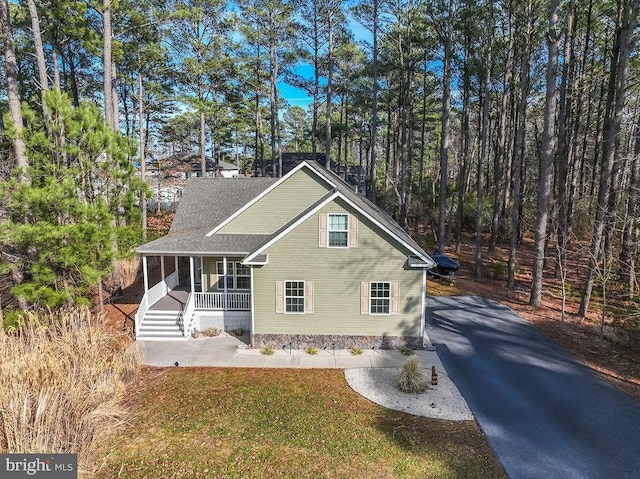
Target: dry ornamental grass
(63,378)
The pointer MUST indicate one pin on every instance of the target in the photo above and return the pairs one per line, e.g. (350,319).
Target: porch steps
(161,325)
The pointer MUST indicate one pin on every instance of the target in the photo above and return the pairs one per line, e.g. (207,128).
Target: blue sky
(296,96)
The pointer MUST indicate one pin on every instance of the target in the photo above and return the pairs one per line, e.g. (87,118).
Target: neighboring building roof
(209,202)
(223,165)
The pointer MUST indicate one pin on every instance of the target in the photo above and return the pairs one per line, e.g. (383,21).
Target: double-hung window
(294,296)
(238,275)
(338,230)
(379,298)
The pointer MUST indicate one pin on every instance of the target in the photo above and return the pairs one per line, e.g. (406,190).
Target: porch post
(423,316)
(191,272)
(164,283)
(175,265)
(252,308)
(224,273)
(145,274)
(201,275)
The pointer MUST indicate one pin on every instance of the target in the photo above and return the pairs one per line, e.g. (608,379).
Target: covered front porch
(193,293)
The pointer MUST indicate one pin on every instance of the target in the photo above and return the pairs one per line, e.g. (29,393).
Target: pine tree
(60,227)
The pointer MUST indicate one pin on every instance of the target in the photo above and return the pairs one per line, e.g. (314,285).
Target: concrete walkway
(546,414)
(228,351)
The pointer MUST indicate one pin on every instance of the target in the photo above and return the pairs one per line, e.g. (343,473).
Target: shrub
(407,351)
(238,331)
(211,332)
(498,269)
(356,351)
(267,351)
(312,350)
(412,378)
(63,381)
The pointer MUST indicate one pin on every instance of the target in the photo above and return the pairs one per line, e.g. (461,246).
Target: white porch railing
(216,301)
(187,317)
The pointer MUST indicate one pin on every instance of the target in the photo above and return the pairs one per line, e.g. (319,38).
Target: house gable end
(290,197)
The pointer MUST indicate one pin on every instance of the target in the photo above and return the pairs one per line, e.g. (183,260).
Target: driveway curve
(546,414)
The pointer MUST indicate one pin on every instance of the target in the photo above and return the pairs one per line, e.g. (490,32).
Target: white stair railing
(187,316)
(142,310)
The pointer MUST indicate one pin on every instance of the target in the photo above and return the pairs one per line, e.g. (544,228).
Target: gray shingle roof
(207,202)
(195,242)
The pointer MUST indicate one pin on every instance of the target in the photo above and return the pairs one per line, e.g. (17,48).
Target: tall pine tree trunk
(546,160)
(374,104)
(445,134)
(519,149)
(13,92)
(484,134)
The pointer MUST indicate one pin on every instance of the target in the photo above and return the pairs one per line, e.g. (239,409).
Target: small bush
(407,351)
(356,351)
(412,378)
(239,331)
(267,351)
(312,350)
(498,269)
(211,332)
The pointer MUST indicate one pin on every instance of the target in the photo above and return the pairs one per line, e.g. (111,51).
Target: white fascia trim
(255,263)
(264,193)
(335,195)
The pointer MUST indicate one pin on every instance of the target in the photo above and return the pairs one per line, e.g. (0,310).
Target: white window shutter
(353,231)
(322,230)
(308,297)
(364,298)
(279,296)
(395,298)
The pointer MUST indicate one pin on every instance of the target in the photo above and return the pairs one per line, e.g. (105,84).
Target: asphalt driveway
(546,415)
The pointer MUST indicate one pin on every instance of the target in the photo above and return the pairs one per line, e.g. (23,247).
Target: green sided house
(300,259)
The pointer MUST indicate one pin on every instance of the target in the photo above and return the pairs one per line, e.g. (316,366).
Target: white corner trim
(266,192)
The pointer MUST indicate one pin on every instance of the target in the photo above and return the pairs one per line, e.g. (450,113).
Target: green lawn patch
(262,423)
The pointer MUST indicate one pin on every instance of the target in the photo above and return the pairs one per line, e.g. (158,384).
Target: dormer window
(338,230)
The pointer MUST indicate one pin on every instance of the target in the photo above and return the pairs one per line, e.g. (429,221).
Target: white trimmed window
(294,297)
(338,230)
(238,275)
(379,297)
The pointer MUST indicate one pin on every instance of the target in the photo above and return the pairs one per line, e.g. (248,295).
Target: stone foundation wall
(302,341)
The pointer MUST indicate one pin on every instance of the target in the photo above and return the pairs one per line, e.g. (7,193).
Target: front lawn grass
(264,423)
